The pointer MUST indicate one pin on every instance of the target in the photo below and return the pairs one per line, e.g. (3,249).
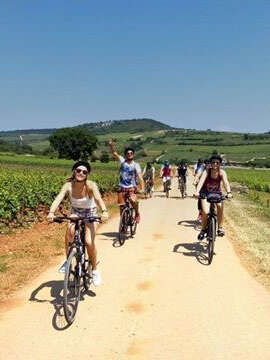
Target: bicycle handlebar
(60,219)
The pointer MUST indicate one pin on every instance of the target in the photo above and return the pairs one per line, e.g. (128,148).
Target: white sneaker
(96,277)
(62,269)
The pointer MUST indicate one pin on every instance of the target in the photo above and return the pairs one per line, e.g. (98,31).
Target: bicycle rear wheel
(211,237)
(167,189)
(72,288)
(123,226)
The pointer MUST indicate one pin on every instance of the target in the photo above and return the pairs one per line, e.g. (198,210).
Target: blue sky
(201,64)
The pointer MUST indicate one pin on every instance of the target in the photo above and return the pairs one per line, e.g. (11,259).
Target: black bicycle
(211,230)
(167,187)
(127,221)
(182,186)
(79,268)
(148,188)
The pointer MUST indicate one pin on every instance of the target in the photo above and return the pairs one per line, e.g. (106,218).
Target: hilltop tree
(73,143)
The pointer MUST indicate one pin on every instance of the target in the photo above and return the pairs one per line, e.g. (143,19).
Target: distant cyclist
(182,174)
(149,174)
(206,166)
(198,170)
(210,181)
(129,171)
(166,174)
(83,195)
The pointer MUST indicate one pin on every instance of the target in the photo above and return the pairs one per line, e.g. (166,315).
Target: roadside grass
(25,253)
(250,233)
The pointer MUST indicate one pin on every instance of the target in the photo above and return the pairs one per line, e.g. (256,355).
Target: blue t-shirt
(128,173)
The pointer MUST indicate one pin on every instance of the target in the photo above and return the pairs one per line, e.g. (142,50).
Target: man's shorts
(122,192)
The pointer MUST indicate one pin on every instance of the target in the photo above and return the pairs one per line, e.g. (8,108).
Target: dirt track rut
(158,300)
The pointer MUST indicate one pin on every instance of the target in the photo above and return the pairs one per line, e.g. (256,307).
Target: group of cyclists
(84,194)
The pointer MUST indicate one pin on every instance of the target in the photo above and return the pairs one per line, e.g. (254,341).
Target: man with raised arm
(129,172)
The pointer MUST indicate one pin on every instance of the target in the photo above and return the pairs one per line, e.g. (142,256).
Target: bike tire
(211,237)
(123,226)
(72,289)
(133,223)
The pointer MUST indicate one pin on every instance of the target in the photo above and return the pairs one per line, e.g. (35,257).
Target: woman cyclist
(209,182)
(83,195)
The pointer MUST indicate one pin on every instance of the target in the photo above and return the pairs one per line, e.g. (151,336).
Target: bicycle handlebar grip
(58,220)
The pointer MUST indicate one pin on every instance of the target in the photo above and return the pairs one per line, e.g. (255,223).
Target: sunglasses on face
(78,171)
(130,153)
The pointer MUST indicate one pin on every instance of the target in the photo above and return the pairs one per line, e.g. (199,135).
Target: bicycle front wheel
(123,226)
(72,288)
(211,237)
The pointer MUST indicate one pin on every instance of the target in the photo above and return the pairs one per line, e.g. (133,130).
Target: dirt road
(158,300)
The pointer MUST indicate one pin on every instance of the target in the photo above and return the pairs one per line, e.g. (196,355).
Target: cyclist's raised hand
(105,215)
(50,217)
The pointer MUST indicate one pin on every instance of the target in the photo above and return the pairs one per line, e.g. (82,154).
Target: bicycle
(78,268)
(148,188)
(167,186)
(211,229)
(182,186)
(127,220)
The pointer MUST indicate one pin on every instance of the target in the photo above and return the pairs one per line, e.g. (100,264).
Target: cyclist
(210,181)
(83,195)
(166,174)
(198,170)
(205,166)
(182,174)
(149,174)
(130,172)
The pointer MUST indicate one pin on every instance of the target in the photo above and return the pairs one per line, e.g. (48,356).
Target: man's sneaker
(137,218)
(62,269)
(96,277)
(201,234)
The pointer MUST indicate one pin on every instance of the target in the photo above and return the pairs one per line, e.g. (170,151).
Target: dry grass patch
(250,234)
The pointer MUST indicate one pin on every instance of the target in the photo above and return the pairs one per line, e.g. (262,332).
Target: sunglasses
(129,152)
(78,171)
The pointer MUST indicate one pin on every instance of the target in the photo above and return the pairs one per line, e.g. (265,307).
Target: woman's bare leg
(205,212)
(90,233)
(69,236)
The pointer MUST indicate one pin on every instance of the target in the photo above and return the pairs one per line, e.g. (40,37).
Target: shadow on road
(113,236)
(196,249)
(189,223)
(56,299)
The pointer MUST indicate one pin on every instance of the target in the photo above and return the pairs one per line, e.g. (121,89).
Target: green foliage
(105,157)
(255,179)
(73,143)
(24,191)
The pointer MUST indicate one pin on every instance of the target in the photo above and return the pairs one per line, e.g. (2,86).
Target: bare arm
(113,150)
(93,189)
(59,198)
(225,181)
(201,181)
